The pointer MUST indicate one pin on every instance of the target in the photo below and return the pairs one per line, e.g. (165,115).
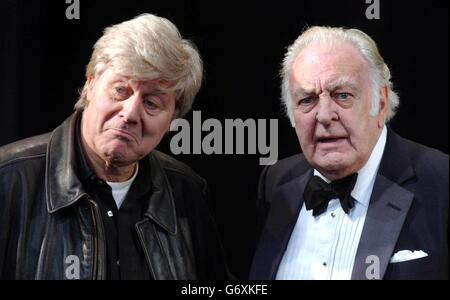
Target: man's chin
(332,165)
(120,153)
(117,157)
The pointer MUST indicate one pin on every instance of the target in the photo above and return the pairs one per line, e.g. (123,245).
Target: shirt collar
(367,174)
(123,184)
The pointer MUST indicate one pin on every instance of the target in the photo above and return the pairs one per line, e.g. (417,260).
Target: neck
(336,175)
(105,169)
(113,173)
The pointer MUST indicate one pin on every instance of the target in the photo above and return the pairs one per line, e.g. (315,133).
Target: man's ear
(90,80)
(384,106)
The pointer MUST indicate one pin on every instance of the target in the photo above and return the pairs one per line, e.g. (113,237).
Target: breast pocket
(415,269)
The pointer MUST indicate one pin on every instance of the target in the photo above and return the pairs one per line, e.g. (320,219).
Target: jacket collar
(63,187)
(396,163)
(161,206)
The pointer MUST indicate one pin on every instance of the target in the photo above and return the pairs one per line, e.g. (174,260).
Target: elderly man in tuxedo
(361,202)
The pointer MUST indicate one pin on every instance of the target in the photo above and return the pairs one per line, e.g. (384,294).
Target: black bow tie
(318,193)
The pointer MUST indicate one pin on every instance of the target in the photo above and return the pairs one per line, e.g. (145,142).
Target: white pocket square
(405,255)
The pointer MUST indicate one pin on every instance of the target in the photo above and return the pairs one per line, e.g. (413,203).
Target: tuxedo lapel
(285,208)
(388,207)
(386,214)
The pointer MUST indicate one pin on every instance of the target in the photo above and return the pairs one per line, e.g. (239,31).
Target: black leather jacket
(46,217)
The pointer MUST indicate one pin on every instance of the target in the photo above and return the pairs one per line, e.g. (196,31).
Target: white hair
(381,76)
(145,48)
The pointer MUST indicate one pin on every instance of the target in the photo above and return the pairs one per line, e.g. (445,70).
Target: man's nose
(326,111)
(131,108)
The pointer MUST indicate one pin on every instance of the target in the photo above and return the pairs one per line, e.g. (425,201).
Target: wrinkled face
(331,89)
(124,119)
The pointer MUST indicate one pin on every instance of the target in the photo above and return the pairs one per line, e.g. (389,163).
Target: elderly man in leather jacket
(93,199)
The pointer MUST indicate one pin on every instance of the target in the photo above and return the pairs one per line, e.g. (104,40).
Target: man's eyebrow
(298,91)
(119,79)
(342,82)
(159,91)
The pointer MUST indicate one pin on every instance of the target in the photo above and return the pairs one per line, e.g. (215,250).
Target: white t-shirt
(120,189)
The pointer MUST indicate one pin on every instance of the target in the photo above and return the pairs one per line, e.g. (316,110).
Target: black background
(43,57)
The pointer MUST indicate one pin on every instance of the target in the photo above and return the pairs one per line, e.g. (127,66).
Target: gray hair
(148,47)
(381,76)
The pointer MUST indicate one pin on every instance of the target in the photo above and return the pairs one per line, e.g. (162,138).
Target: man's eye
(306,101)
(120,91)
(151,105)
(343,96)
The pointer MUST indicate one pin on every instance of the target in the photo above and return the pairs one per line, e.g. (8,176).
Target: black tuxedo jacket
(408,210)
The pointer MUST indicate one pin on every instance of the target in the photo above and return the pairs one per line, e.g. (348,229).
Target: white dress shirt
(324,247)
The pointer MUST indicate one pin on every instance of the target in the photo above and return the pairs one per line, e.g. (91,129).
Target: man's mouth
(124,133)
(330,139)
